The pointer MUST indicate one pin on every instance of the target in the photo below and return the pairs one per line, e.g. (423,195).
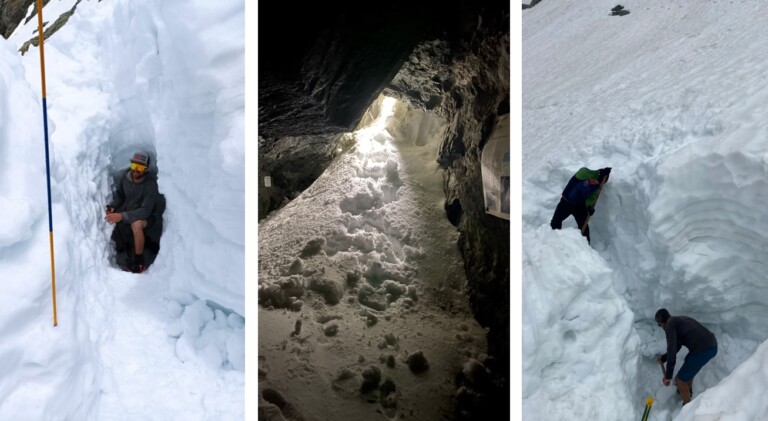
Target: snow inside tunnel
(360,279)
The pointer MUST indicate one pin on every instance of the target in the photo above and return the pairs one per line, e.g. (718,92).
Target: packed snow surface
(673,97)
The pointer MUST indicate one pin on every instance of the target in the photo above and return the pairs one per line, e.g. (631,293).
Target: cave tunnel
(383,278)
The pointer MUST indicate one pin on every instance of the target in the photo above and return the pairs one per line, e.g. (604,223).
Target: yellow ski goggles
(138,167)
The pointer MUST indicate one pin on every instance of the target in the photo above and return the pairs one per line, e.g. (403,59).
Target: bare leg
(685,391)
(138,235)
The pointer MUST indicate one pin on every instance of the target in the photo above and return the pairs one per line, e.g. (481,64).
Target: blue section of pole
(47,165)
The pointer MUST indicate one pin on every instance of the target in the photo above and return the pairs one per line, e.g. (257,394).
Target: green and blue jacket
(578,191)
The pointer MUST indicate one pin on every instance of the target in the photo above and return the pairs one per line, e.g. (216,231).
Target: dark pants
(694,362)
(564,210)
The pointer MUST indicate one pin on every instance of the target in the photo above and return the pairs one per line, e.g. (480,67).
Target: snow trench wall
(579,344)
(708,225)
(685,231)
(154,108)
(33,353)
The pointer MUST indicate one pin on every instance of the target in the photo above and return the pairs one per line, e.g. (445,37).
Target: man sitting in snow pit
(579,197)
(702,347)
(135,208)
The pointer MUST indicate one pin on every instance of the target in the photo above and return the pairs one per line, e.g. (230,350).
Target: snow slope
(672,96)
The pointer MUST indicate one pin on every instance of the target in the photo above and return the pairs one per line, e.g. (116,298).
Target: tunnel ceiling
(321,66)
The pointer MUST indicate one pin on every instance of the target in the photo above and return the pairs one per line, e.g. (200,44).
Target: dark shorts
(694,362)
(151,220)
(122,233)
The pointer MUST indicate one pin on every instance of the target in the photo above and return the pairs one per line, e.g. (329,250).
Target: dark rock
(50,30)
(371,379)
(453,211)
(297,305)
(313,247)
(390,360)
(387,387)
(12,13)
(417,362)
(292,164)
(286,409)
(388,397)
(533,3)
(331,329)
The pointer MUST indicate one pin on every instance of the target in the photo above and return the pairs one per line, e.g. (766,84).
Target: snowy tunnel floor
(168,381)
(363,313)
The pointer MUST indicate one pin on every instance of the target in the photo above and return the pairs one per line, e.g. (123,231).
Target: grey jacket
(685,331)
(135,200)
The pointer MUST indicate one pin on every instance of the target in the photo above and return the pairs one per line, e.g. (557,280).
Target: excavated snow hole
(696,245)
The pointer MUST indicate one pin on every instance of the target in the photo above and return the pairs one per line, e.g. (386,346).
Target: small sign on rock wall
(494,166)
(267,181)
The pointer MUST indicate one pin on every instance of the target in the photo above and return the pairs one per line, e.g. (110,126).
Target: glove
(604,172)
(591,210)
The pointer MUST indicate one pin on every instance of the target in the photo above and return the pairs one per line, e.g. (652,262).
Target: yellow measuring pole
(648,404)
(47,164)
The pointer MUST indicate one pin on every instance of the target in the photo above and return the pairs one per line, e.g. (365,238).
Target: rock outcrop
(12,12)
